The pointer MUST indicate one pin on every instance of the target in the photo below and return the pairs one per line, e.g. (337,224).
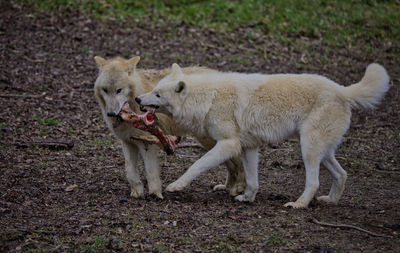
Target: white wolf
(118,82)
(242,111)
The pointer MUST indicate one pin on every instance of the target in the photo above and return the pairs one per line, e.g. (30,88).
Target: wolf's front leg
(235,181)
(131,153)
(223,150)
(152,167)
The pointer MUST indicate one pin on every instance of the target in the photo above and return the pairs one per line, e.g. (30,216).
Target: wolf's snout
(111,114)
(138,100)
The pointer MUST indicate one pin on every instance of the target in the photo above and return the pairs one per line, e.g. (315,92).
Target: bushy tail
(370,90)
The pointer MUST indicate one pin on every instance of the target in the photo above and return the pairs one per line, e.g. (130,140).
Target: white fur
(243,111)
(123,82)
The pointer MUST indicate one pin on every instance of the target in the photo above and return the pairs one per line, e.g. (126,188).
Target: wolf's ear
(176,70)
(131,64)
(180,87)
(100,61)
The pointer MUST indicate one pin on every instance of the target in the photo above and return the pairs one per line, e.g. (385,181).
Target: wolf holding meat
(119,81)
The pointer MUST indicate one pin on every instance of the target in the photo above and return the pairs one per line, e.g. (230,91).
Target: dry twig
(32,231)
(388,171)
(20,96)
(33,60)
(347,226)
(52,144)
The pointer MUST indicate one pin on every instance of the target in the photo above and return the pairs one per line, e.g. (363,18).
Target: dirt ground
(63,199)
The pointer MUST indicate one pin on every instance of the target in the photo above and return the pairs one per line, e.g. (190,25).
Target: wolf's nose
(138,100)
(111,114)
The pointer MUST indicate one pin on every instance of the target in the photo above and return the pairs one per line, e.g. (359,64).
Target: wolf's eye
(119,91)
(105,90)
(158,95)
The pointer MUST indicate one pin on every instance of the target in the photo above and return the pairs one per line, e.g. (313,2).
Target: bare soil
(63,199)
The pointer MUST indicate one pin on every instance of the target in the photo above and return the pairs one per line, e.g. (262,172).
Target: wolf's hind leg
(312,152)
(250,164)
(339,179)
(235,181)
(131,153)
(319,137)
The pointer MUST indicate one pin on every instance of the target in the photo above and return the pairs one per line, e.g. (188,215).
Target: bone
(148,122)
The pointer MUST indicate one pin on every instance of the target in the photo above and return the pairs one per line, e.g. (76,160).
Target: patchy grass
(73,132)
(43,133)
(242,61)
(43,124)
(160,247)
(101,142)
(51,122)
(335,22)
(186,240)
(277,240)
(227,246)
(97,244)
(47,121)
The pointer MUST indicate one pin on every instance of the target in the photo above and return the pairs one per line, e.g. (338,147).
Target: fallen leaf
(27,203)
(71,187)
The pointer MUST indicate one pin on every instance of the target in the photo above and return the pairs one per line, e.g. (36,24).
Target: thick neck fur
(192,112)
(143,81)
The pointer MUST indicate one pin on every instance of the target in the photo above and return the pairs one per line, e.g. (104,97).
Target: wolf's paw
(175,186)
(237,189)
(327,199)
(158,194)
(219,187)
(295,205)
(137,191)
(241,198)
(155,188)
(244,198)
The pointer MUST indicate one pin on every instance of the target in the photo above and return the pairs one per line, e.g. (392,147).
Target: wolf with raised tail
(243,111)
